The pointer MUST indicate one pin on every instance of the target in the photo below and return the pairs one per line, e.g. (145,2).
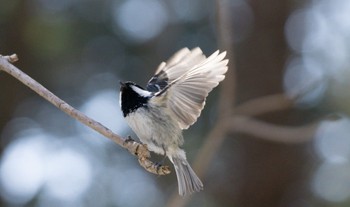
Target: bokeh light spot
(332,181)
(22,170)
(68,175)
(305,81)
(332,140)
(140,20)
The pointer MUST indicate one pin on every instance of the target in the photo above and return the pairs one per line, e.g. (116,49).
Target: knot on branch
(143,155)
(11,58)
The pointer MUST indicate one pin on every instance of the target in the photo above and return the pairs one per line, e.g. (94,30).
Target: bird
(171,102)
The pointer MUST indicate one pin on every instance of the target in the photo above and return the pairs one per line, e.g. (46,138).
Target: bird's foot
(129,139)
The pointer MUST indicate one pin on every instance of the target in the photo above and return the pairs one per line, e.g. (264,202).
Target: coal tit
(172,101)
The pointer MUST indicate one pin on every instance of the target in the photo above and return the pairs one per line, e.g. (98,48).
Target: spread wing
(186,79)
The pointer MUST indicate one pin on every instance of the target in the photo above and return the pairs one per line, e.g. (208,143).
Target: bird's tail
(187,179)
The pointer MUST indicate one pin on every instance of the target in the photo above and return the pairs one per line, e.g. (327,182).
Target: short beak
(122,84)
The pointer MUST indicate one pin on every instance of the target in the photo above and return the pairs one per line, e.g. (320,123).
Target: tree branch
(246,125)
(133,147)
(271,132)
(265,104)
(227,96)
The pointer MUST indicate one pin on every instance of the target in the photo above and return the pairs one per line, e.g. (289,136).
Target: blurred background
(81,49)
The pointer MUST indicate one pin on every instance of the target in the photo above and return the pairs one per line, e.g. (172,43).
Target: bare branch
(225,33)
(265,104)
(133,147)
(276,102)
(246,125)
(271,132)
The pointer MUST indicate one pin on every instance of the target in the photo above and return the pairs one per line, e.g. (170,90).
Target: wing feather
(190,76)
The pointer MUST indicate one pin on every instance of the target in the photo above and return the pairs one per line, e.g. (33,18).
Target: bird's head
(132,96)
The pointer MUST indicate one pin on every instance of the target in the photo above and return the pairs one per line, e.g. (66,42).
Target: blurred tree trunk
(11,91)
(262,56)
(270,169)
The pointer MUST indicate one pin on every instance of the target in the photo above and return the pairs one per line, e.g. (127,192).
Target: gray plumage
(173,101)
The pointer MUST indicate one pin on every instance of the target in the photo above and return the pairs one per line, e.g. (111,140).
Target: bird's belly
(155,130)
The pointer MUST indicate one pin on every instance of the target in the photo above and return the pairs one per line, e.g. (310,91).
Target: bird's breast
(155,128)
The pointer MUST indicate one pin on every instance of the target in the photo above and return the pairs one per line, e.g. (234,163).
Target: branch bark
(135,148)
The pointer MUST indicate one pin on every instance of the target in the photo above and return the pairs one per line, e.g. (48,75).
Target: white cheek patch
(141,92)
(120,99)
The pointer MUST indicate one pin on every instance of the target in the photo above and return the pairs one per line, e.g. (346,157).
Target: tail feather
(187,179)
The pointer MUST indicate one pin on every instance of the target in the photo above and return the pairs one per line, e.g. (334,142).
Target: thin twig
(246,125)
(265,104)
(227,97)
(133,147)
(271,132)
(276,102)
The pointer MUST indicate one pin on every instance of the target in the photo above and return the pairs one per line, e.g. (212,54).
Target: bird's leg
(164,153)
(159,164)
